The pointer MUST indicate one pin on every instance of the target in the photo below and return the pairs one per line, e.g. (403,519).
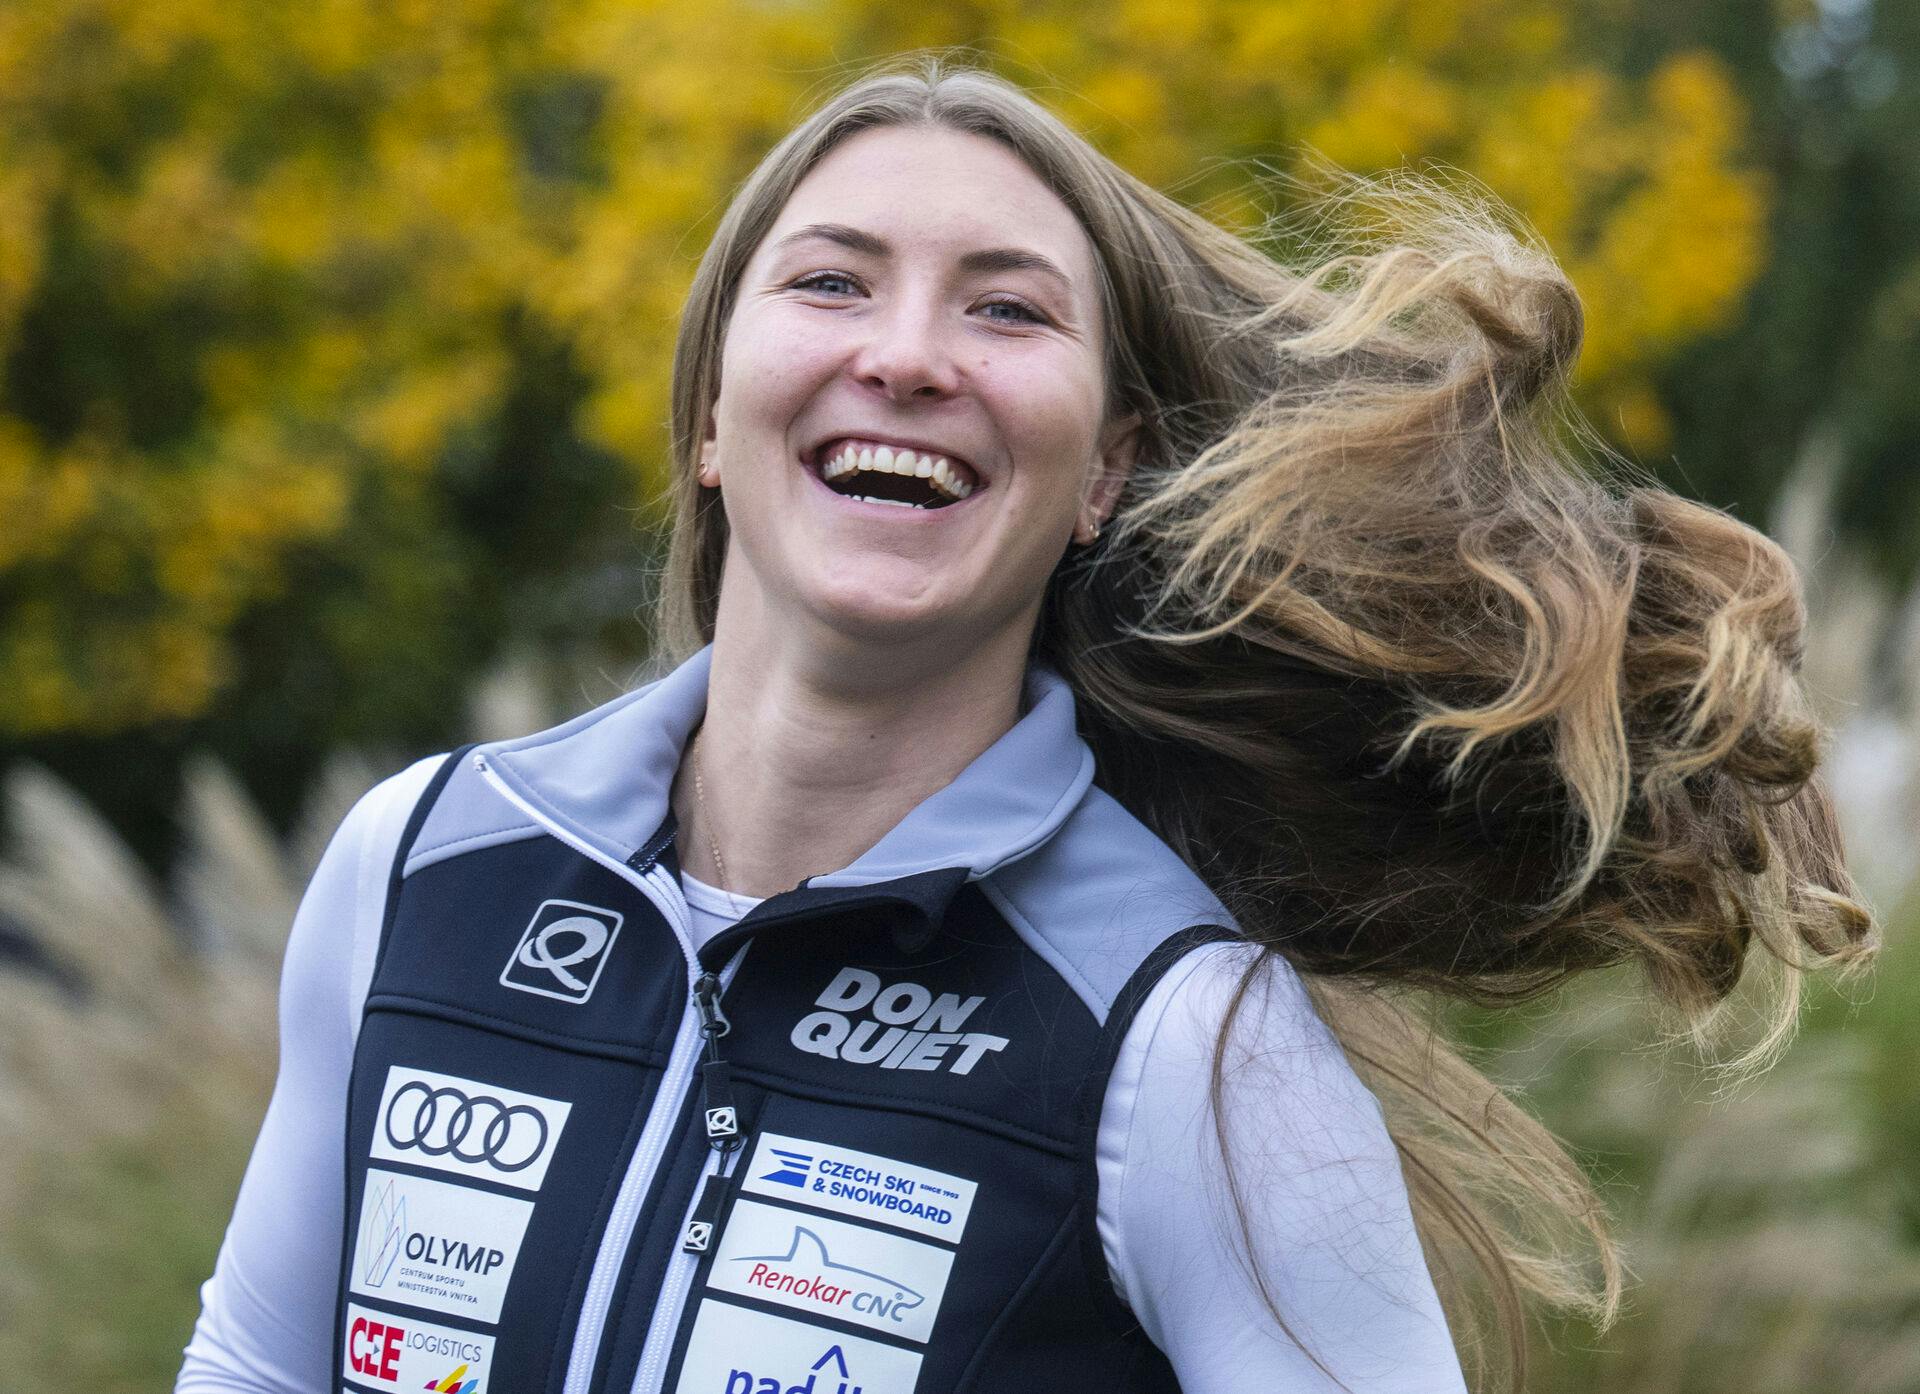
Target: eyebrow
(986,259)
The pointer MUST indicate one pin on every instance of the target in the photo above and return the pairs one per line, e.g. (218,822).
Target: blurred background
(334,350)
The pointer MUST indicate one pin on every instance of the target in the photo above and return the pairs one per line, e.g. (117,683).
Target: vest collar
(605,777)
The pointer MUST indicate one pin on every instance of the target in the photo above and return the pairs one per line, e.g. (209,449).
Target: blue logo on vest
(743,1382)
(561,954)
(792,1168)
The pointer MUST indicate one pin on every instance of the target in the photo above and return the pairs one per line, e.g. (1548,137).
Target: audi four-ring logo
(470,1128)
(467,1127)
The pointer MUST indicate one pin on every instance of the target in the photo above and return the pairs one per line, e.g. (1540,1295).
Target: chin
(883,608)
(889,622)
(914,642)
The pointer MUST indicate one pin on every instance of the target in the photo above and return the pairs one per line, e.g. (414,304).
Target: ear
(709,473)
(1119,448)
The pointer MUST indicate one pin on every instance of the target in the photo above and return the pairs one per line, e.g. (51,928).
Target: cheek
(1051,425)
(768,371)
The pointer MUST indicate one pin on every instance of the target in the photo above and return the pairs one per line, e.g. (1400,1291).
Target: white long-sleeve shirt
(1326,1205)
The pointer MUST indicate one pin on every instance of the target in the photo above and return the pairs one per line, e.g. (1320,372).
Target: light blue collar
(605,777)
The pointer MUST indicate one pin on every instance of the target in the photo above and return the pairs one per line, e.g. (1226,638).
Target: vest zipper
(710,1197)
(643,1167)
(718,1113)
(722,1119)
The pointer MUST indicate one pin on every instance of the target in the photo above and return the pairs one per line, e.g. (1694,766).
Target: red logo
(373,1348)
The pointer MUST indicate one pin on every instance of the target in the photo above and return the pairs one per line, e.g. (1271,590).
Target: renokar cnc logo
(807,1271)
(904,1026)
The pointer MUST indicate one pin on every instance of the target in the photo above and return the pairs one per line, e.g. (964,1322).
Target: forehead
(938,191)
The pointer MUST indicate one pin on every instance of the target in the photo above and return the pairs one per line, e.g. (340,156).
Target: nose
(907,355)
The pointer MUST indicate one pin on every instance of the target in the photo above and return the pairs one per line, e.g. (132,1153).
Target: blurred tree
(335,337)
(1827,338)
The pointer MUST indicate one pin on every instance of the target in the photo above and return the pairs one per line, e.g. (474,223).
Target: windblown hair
(1434,697)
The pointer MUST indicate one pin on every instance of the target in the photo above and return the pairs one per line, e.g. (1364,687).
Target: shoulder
(1246,1169)
(363,846)
(1100,897)
(1243,1012)
(1245,1015)
(335,935)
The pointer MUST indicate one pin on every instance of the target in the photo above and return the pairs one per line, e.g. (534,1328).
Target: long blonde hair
(1428,700)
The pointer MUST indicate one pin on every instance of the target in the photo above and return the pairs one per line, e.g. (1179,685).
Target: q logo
(563,950)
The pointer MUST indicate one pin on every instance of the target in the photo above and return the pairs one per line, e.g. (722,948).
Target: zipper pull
(713,1021)
(706,1214)
(716,1080)
(723,1120)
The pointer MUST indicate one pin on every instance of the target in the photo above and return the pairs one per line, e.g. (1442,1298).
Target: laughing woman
(1111,667)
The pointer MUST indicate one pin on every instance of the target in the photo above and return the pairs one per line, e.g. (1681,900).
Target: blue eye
(1027,311)
(812,279)
(819,281)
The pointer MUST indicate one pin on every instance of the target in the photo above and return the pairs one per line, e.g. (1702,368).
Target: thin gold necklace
(706,823)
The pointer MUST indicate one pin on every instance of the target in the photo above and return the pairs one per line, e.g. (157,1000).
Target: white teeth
(950,483)
(891,503)
(887,460)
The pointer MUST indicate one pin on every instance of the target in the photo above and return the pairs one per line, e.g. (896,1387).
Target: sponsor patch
(736,1351)
(389,1352)
(562,951)
(431,1244)
(894,1026)
(860,1183)
(817,1265)
(466,1127)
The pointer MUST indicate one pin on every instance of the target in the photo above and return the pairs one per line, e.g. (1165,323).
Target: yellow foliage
(1163,26)
(329,215)
(1385,114)
(22,194)
(411,420)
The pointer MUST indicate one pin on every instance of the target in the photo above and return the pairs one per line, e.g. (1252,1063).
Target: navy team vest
(846,1150)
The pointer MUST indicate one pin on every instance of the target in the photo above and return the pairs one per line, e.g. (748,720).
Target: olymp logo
(815,1265)
(736,1351)
(563,950)
(904,1026)
(430,1244)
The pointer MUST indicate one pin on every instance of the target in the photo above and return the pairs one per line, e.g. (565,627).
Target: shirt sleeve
(266,1314)
(1325,1201)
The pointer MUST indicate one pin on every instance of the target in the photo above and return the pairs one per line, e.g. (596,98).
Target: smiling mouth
(893,475)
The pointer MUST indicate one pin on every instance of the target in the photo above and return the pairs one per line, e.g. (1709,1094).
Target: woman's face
(922,289)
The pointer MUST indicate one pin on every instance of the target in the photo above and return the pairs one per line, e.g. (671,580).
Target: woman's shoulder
(1246,1011)
(1104,899)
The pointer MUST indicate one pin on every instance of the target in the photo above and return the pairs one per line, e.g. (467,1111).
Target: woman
(1110,664)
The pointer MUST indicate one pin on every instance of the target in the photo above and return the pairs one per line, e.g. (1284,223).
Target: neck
(806,765)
